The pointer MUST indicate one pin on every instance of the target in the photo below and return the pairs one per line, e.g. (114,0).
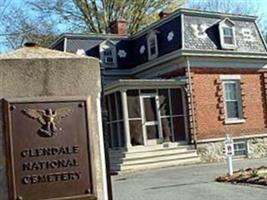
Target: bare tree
(19,25)
(229,6)
(96,15)
(247,7)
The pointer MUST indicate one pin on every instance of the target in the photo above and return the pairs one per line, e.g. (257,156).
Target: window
(115,120)
(232,97)
(108,54)
(227,34)
(152,44)
(240,148)
(172,114)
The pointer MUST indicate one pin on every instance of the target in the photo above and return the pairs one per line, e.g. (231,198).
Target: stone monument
(51,141)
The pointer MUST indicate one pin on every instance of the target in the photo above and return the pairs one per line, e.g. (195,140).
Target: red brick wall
(207,113)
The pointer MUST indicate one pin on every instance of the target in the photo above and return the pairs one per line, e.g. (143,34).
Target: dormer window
(108,54)
(152,44)
(227,34)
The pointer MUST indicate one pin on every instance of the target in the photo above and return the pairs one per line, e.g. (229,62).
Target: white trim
(158,116)
(65,45)
(234,138)
(150,123)
(126,119)
(152,36)
(102,148)
(223,25)
(182,30)
(230,77)
(130,84)
(234,121)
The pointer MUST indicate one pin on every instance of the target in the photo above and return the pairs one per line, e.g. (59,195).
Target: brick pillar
(264,82)
(191,107)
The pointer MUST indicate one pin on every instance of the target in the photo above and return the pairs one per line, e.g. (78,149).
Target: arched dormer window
(152,45)
(227,34)
(108,54)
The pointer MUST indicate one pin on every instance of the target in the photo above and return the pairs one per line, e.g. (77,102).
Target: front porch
(147,119)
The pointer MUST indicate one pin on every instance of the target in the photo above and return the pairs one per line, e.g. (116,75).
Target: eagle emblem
(48,118)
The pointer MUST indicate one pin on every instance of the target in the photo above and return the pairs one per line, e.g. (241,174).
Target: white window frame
(246,148)
(112,47)
(152,36)
(236,80)
(156,123)
(227,23)
(117,121)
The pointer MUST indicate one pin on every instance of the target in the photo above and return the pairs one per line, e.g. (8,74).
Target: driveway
(194,182)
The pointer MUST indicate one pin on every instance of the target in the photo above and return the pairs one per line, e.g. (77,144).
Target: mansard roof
(183,30)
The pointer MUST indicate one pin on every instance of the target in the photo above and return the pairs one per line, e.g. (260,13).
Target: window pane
(230,91)
(228,40)
(136,132)
(153,50)
(166,128)
(108,52)
(152,132)
(232,109)
(149,91)
(133,104)
(240,149)
(119,104)
(121,131)
(150,109)
(112,107)
(179,129)
(227,31)
(115,139)
(164,102)
(109,137)
(177,103)
(107,108)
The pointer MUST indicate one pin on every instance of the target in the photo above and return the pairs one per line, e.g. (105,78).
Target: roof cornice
(84,36)
(127,84)
(158,23)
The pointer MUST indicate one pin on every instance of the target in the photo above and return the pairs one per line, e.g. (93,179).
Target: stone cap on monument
(34,51)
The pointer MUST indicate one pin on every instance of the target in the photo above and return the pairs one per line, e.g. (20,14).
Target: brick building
(175,89)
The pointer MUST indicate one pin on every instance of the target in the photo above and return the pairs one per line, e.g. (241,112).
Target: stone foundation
(257,147)
(213,151)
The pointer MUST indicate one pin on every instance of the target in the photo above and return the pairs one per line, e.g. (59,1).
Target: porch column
(126,119)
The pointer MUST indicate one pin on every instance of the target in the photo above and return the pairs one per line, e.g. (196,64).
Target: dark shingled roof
(212,41)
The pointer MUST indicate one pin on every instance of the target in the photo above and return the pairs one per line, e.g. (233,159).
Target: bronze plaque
(48,150)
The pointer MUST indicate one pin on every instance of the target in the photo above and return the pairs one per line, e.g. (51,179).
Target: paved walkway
(187,183)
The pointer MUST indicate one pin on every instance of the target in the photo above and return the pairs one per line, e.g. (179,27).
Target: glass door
(150,119)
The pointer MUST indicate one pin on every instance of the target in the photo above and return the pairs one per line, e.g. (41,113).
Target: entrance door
(150,119)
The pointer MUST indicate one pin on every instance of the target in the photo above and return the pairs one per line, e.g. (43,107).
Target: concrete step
(143,151)
(140,156)
(167,163)
(152,157)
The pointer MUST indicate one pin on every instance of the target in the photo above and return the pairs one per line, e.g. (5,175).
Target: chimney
(119,27)
(30,44)
(163,14)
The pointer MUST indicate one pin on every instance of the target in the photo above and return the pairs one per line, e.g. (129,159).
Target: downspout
(192,102)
